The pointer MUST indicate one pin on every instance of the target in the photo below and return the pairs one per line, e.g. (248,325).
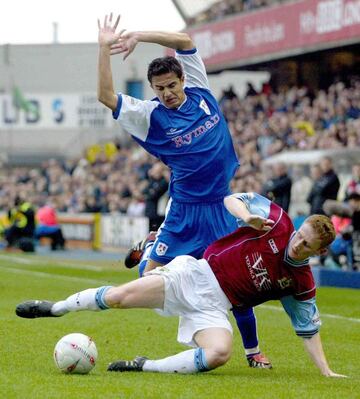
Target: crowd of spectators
(262,124)
(221,9)
(125,179)
(105,184)
(266,123)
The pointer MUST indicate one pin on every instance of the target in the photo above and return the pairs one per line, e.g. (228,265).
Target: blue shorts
(189,228)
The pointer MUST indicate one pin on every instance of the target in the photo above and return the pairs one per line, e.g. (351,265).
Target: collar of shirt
(178,106)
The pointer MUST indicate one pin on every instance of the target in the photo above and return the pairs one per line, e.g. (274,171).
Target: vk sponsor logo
(258,272)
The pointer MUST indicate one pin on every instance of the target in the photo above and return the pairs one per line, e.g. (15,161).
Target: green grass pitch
(27,368)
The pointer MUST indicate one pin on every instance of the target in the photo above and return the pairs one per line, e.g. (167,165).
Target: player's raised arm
(107,36)
(239,206)
(128,41)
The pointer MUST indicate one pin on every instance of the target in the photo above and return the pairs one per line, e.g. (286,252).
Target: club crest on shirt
(132,100)
(204,107)
(285,282)
(161,249)
(316,319)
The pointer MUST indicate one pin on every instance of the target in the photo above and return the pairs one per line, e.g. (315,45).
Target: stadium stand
(262,125)
(102,184)
(220,9)
(311,104)
(268,123)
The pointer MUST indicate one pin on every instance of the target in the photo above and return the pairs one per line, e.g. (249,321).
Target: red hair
(323,228)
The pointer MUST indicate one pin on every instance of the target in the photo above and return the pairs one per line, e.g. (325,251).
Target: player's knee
(118,297)
(151,265)
(219,355)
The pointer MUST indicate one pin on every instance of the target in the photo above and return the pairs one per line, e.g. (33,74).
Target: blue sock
(145,257)
(200,360)
(246,322)
(100,297)
(142,265)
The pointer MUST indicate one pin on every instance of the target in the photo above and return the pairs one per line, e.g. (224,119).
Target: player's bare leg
(215,345)
(152,264)
(147,292)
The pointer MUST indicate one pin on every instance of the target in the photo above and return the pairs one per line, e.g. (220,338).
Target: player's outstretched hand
(259,223)
(334,375)
(107,32)
(124,45)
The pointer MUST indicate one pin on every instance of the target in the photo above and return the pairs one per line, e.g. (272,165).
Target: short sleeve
(134,115)
(304,316)
(256,205)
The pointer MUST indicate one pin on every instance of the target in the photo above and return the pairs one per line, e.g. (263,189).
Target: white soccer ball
(75,353)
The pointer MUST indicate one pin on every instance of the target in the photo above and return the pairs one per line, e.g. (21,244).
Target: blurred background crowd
(122,178)
(297,136)
(219,10)
(114,177)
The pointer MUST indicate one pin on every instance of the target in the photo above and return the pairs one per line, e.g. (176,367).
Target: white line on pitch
(54,276)
(25,261)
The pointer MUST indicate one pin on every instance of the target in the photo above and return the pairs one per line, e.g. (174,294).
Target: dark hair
(160,66)
(18,201)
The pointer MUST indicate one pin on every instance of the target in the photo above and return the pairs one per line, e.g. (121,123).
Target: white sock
(252,351)
(90,299)
(190,361)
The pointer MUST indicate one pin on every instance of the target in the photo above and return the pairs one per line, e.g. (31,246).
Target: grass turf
(27,369)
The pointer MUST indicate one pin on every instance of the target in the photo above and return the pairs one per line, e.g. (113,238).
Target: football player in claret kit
(183,127)
(264,259)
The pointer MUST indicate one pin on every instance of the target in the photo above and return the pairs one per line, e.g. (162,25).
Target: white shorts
(193,293)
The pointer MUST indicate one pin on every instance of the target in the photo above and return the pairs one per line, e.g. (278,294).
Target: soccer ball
(75,353)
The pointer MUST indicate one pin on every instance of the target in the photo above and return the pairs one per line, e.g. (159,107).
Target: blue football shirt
(192,140)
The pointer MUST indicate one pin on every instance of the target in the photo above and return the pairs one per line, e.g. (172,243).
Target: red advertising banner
(287,28)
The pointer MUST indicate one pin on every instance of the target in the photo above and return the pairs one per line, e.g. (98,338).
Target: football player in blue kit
(184,128)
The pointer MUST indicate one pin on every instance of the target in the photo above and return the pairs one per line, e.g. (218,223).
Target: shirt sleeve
(134,115)
(304,315)
(194,68)
(256,205)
